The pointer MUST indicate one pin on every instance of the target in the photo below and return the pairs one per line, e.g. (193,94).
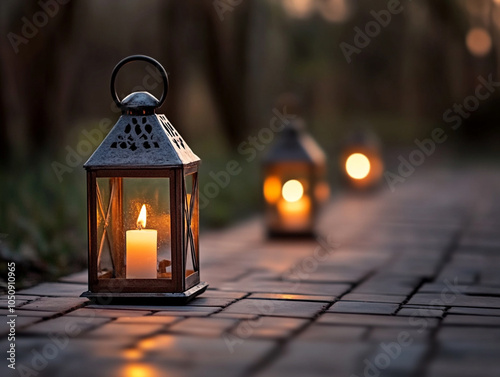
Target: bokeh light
(357,166)
(478,41)
(292,191)
(272,189)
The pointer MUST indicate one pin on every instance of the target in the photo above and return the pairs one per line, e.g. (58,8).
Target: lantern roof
(142,141)
(295,144)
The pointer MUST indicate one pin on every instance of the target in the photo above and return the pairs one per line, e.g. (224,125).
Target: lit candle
(294,207)
(141,250)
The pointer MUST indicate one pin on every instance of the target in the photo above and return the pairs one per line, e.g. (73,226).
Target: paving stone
(29,313)
(420,312)
(468,334)
(276,308)
(474,311)
(70,326)
(375,320)
(235,315)
(114,329)
(332,276)
(385,288)
(445,368)
(268,327)
(363,307)
(187,311)
(106,313)
(404,357)
(55,290)
(211,327)
(148,320)
(284,287)
(334,334)
(223,294)
(208,301)
(317,359)
(194,351)
(279,296)
(4,303)
(55,304)
(471,320)
(455,300)
(21,322)
(157,308)
(373,298)
(392,334)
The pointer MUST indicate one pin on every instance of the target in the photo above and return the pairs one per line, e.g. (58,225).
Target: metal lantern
(142,195)
(294,182)
(361,160)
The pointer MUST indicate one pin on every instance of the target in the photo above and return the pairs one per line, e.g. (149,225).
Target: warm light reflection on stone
(140,370)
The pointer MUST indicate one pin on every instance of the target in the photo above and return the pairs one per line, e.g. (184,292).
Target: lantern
(142,195)
(361,161)
(294,182)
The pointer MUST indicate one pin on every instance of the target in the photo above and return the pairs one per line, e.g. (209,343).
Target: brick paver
(397,284)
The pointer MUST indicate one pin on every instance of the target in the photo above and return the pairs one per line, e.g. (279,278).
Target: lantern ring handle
(145,58)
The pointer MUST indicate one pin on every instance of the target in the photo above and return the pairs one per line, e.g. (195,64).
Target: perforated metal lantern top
(141,138)
(294,144)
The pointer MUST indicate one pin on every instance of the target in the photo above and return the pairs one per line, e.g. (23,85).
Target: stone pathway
(398,284)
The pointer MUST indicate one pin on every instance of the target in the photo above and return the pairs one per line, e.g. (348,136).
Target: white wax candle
(141,254)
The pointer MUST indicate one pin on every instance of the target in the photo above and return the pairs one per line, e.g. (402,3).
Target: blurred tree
(31,71)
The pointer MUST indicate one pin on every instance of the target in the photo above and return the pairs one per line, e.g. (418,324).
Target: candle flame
(141,220)
(357,166)
(292,190)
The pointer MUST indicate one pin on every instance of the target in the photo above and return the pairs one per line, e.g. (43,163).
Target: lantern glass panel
(191,224)
(288,190)
(133,228)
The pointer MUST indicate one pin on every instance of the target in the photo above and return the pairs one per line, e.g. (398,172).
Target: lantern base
(146,298)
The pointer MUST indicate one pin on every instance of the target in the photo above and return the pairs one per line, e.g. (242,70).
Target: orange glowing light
(357,166)
(132,354)
(141,220)
(272,189)
(292,191)
(478,41)
(139,370)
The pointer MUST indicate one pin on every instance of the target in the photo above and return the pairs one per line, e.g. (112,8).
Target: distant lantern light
(294,182)
(357,166)
(478,41)
(361,161)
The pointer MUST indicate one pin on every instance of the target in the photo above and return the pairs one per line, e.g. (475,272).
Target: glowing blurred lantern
(143,173)
(294,182)
(361,162)
(478,41)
